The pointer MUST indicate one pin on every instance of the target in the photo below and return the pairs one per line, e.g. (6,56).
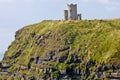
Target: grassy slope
(94,39)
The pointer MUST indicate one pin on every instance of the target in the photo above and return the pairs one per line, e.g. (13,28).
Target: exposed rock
(60,50)
(16,55)
(66,77)
(77,71)
(23,77)
(63,49)
(75,59)
(24,67)
(0,65)
(104,67)
(62,71)
(62,59)
(36,60)
(41,40)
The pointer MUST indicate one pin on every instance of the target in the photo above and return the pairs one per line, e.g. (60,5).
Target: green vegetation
(97,40)
(10,78)
(13,68)
(55,74)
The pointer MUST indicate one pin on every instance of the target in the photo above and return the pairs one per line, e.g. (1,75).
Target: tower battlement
(72,5)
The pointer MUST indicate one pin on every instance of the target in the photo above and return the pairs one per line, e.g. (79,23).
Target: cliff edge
(57,50)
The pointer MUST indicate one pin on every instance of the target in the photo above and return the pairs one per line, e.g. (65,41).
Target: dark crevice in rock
(30,62)
(16,55)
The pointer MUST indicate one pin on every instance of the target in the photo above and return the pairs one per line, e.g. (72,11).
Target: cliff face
(88,49)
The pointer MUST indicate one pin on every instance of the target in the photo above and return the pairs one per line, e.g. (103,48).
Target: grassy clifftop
(99,40)
(60,43)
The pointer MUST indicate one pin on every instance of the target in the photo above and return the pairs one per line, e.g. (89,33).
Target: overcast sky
(14,14)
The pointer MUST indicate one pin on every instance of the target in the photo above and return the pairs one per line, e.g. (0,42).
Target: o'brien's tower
(71,13)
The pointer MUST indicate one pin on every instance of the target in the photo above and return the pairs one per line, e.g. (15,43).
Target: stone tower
(79,17)
(71,13)
(66,14)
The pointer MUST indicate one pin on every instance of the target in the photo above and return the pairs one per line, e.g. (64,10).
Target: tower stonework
(66,14)
(79,16)
(71,13)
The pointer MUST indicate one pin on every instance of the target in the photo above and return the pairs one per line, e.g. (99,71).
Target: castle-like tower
(66,14)
(71,13)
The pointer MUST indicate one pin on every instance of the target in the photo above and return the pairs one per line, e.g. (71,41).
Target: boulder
(62,71)
(62,58)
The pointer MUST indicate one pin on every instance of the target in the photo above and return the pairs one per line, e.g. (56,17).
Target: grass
(98,40)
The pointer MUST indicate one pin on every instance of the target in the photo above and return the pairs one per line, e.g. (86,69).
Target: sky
(15,14)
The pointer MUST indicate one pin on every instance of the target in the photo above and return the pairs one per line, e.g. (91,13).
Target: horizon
(14,16)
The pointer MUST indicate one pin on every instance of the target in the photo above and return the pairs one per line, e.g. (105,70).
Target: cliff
(87,49)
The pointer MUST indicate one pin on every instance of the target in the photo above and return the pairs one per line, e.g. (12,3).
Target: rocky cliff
(64,50)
